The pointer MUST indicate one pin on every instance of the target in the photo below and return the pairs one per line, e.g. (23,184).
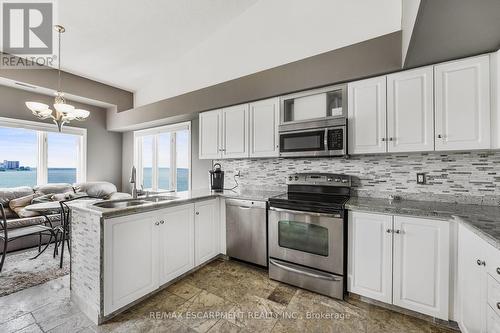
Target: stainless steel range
(307,233)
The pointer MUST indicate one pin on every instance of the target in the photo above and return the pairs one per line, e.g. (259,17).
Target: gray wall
(104,149)
(199,168)
(452,29)
(369,58)
(73,85)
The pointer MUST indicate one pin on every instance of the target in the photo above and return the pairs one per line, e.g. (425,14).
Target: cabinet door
(367,113)
(264,121)
(463,104)
(130,259)
(471,282)
(209,135)
(410,110)
(235,131)
(206,231)
(176,242)
(421,267)
(492,321)
(370,255)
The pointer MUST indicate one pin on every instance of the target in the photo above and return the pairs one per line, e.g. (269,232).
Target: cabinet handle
(440,136)
(389,231)
(498,305)
(498,270)
(481,262)
(391,139)
(161,222)
(398,231)
(157,223)
(383,139)
(197,213)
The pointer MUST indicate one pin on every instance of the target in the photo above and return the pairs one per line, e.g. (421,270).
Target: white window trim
(42,152)
(138,135)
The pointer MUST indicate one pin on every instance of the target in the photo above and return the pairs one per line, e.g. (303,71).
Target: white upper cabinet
(367,116)
(210,135)
(235,131)
(421,265)
(463,104)
(410,110)
(370,256)
(264,122)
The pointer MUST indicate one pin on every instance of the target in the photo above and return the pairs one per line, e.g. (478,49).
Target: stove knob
(290,178)
(344,181)
(330,179)
(337,180)
(296,177)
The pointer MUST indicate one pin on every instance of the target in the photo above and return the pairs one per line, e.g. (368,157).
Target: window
(163,157)
(33,153)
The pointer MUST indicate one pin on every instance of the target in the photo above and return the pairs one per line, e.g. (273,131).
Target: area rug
(19,272)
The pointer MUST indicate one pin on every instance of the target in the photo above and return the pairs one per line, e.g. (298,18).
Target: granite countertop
(180,198)
(482,220)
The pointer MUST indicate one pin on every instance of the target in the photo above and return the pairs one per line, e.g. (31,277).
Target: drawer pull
(498,305)
(498,270)
(481,262)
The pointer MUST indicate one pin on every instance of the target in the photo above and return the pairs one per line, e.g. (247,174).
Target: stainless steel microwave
(314,123)
(323,141)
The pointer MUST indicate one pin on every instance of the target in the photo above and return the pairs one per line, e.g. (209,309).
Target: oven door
(310,239)
(303,143)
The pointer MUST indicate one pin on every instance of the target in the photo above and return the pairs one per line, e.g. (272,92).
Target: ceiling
(159,49)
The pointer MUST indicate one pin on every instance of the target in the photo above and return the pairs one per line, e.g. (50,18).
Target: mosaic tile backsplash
(464,177)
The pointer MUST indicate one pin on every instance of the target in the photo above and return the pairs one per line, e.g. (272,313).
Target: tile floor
(224,296)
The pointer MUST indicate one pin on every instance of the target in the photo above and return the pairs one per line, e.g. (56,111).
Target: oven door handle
(324,276)
(299,212)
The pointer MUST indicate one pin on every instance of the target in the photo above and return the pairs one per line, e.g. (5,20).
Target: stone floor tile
(282,294)
(33,328)
(17,323)
(224,326)
(256,314)
(72,323)
(184,289)
(203,311)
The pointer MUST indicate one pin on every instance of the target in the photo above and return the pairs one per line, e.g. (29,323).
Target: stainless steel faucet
(133,180)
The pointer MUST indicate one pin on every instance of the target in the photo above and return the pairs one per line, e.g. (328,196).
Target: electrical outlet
(421,178)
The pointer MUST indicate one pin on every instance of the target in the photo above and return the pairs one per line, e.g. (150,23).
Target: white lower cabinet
(206,231)
(130,259)
(176,243)
(492,321)
(421,265)
(400,260)
(370,259)
(144,251)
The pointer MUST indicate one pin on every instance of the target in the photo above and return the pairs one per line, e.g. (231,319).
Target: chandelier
(64,112)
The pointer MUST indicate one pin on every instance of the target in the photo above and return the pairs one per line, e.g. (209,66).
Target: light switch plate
(421,179)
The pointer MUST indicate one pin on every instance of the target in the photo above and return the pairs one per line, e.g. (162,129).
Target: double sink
(133,202)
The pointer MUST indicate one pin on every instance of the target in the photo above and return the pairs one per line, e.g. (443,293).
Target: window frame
(155,132)
(41,129)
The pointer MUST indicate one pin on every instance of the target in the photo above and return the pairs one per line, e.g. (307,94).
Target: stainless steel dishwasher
(246,230)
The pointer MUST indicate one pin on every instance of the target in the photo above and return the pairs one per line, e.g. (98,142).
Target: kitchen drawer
(494,294)
(492,321)
(493,262)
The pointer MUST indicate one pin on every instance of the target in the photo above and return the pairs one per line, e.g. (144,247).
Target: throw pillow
(42,198)
(17,205)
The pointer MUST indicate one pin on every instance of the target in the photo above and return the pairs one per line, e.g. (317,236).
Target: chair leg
(62,247)
(55,244)
(39,243)
(3,254)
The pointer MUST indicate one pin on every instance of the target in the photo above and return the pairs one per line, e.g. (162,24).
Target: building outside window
(33,153)
(162,157)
